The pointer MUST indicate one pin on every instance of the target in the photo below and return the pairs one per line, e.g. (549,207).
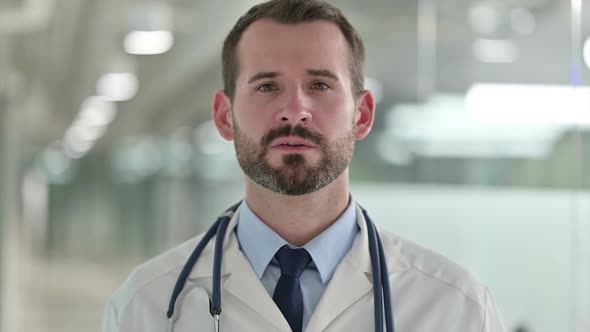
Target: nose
(296,110)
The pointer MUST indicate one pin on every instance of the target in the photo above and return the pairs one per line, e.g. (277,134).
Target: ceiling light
(148,42)
(117,86)
(76,147)
(96,111)
(87,133)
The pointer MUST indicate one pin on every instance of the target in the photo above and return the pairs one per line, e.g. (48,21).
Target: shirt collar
(260,243)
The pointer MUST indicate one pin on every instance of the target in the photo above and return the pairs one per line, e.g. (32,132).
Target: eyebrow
(312,72)
(263,75)
(323,73)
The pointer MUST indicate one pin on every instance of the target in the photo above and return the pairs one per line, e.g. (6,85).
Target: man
(295,255)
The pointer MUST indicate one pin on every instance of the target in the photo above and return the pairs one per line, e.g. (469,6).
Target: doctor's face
(293,117)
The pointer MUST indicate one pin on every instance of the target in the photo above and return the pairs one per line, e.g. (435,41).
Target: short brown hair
(292,12)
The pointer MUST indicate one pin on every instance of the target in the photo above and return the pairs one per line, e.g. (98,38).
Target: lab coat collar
(358,255)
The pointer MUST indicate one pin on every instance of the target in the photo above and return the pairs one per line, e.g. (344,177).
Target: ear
(222,115)
(364,115)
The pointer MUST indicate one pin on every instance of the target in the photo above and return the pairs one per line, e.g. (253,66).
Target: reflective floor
(66,295)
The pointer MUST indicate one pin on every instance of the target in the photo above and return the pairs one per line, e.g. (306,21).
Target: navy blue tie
(288,295)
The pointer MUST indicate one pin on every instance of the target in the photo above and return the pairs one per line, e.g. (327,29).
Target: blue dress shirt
(260,243)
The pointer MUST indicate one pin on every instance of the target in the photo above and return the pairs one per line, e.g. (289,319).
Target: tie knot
(292,261)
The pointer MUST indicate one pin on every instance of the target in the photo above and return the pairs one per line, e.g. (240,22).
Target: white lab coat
(429,293)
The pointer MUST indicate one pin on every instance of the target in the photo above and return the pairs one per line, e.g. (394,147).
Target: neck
(298,219)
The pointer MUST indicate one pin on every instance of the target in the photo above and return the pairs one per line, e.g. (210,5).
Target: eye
(320,86)
(266,87)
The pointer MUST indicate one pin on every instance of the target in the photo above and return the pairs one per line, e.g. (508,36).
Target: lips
(292,141)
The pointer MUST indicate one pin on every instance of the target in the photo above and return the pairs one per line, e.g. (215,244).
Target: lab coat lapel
(348,284)
(352,278)
(247,288)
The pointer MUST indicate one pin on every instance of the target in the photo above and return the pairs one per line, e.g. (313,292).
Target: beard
(295,176)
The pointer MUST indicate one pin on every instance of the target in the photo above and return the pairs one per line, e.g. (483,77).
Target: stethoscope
(381,290)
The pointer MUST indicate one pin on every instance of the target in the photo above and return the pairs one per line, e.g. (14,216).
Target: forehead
(267,45)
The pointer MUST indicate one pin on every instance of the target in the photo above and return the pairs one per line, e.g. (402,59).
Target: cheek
(251,123)
(335,117)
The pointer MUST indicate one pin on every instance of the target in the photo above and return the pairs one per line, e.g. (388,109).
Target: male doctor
(295,255)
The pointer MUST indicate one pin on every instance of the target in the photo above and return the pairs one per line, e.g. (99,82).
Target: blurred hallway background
(108,155)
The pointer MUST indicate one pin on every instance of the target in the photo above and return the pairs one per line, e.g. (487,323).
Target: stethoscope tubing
(376,265)
(380,268)
(388,307)
(215,306)
(188,266)
(192,260)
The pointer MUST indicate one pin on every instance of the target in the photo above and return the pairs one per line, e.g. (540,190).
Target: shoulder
(153,280)
(432,269)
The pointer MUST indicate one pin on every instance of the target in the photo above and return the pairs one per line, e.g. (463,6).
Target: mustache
(289,130)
